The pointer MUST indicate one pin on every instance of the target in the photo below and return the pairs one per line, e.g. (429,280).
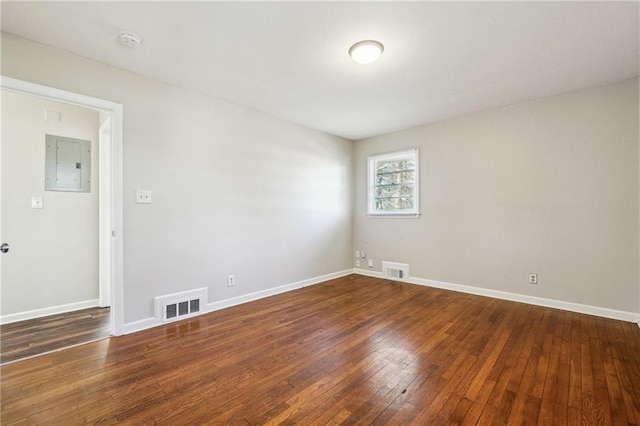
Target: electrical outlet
(357,255)
(533,278)
(36,202)
(357,263)
(143,196)
(231,280)
(370,263)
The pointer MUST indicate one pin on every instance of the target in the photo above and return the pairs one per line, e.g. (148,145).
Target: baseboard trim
(44,312)
(214,306)
(148,323)
(140,325)
(368,273)
(515,297)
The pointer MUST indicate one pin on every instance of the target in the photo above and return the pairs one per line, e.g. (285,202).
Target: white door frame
(104,203)
(110,165)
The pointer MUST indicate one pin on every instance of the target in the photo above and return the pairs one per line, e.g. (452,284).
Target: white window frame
(372,162)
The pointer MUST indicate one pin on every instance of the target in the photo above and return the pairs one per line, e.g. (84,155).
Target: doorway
(51,245)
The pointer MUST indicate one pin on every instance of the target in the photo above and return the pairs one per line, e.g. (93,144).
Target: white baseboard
(143,324)
(147,323)
(53,310)
(214,306)
(368,273)
(515,297)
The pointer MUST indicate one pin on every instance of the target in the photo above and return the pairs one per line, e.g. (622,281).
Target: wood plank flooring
(24,339)
(354,350)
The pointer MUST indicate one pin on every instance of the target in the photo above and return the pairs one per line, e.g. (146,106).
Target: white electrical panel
(67,164)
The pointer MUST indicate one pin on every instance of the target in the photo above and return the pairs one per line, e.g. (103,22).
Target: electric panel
(68,164)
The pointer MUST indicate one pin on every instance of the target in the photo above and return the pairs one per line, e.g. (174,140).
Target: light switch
(36,202)
(143,196)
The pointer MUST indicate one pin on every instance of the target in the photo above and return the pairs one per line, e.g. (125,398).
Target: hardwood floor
(23,339)
(355,350)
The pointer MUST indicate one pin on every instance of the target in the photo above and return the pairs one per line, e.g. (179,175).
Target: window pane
(394,185)
(393,182)
(394,177)
(394,191)
(385,166)
(385,204)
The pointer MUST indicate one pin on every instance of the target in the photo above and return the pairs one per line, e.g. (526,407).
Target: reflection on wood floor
(24,339)
(354,350)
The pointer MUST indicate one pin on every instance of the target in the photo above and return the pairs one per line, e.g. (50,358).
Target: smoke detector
(129,39)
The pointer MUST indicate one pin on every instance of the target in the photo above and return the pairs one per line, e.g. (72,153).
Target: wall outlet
(370,263)
(143,196)
(36,202)
(231,280)
(357,263)
(533,278)
(357,255)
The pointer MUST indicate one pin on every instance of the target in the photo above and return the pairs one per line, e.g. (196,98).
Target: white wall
(547,187)
(53,259)
(234,191)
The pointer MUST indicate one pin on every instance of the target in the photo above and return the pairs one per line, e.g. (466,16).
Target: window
(393,183)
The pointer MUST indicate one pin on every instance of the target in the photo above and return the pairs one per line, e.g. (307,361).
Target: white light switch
(143,196)
(36,202)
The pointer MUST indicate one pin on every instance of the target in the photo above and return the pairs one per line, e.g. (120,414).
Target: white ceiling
(289,59)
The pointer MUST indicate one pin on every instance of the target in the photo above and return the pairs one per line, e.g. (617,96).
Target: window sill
(393,215)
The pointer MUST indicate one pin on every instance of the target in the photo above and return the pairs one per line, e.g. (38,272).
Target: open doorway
(62,274)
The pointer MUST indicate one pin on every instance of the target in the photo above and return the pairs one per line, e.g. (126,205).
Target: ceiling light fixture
(129,39)
(366,51)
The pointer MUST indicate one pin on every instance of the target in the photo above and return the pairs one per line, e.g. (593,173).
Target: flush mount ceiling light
(366,51)
(129,39)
